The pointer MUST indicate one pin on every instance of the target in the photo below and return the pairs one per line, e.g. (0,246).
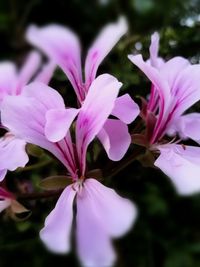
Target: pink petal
(61,45)
(56,233)
(28,70)
(8,78)
(115,138)
(154,76)
(12,154)
(182,165)
(46,95)
(172,69)
(58,122)
(93,241)
(186,126)
(125,109)
(155,61)
(107,38)
(25,116)
(46,73)
(94,112)
(191,126)
(186,88)
(115,213)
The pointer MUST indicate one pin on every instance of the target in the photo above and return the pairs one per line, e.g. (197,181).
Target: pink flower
(101,213)
(12,82)
(62,46)
(175,88)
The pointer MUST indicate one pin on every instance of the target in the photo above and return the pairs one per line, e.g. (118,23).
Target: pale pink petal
(125,109)
(46,95)
(46,73)
(93,242)
(25,116)
(58,122)
(56,233)
(186,89)
(28,70)
(94,112)
(154,76)
(171,70)
(61,45)
(191,126)
(115,138)
(8,78)
(155,61)
(107,38)
(12,154)
(186,126)
(116,214)
(182,165)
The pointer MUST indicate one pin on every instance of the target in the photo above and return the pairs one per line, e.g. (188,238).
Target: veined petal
(94,112)
(58,122)
(93,241)
(12,154)
(25,116)
(182,165)
(186,89)
(56,233)
(115,213)
(107,38)
(115,138)
(62,46)
(171,70)
(125,109)
(154,76)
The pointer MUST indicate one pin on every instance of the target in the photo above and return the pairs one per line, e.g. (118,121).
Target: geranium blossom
(101,213)
(175,88)
(62,46)
(12,82)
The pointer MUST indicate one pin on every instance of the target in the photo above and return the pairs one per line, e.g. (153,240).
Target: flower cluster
(34,113)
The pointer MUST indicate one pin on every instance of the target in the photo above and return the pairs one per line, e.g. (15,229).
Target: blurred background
(167,232)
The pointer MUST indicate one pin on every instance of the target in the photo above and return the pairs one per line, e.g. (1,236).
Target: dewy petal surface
(182,165)
(93,241)
(94,112)
(56,233)
(106,40)
(115,138)
(125,109)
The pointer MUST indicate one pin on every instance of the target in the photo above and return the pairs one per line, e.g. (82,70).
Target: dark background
(167,232)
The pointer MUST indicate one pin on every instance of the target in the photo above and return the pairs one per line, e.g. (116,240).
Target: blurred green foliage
(167,232)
